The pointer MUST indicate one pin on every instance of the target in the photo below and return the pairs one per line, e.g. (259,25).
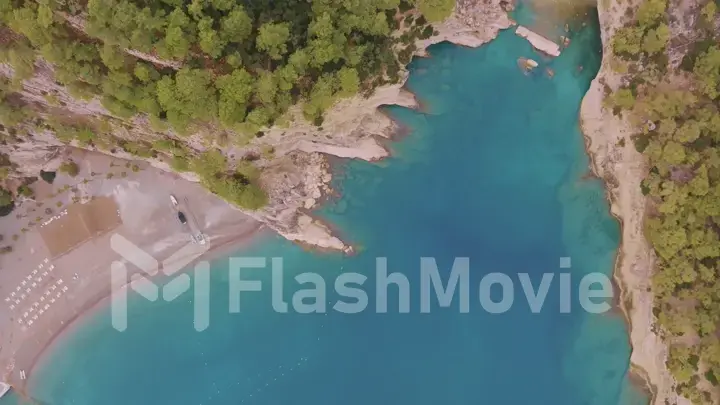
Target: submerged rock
(527,64)
(565,41)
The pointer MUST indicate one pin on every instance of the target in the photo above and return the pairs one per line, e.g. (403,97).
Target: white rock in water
(538,41)
(527,64)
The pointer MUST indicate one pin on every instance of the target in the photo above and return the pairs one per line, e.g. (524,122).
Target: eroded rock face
(36,157)
(297,174)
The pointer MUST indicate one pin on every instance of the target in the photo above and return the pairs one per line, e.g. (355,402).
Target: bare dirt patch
(79,224)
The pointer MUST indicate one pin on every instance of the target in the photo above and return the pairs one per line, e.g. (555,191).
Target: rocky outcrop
(473,23)
(538,41)
(350,130)
(683,22)
(614,159)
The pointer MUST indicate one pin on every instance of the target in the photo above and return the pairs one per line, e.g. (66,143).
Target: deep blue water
(494,172)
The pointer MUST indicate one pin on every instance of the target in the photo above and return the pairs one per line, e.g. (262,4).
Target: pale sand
(623,169)
(148,220)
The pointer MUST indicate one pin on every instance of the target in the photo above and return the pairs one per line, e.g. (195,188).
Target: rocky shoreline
(351,130)
(615,160)
(358,122)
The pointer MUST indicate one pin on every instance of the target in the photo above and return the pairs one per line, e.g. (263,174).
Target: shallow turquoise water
(494,172)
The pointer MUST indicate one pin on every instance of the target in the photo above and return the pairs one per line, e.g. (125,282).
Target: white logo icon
(146,288)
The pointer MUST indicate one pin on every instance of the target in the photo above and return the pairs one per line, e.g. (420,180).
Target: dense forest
(677,111)
(239,65)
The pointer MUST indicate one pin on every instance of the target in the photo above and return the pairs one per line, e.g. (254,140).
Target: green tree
(674,153)
(235,91)
(25,21)
(178,36)
(234,59)
(656,39)
(210,41)
(25,191)
(650,11)
(272,39)
(6,198)
(300,60)
(435,10)
(222,5)
(175,45)
(709,10)
(146,73)
(707,71)
(286,77)
(237,26)
(321,97)
(349,81)
(259,117)
(113,57)
(45,16)
(623,98)
(628,40)
(195,9)
(688,132)
(266,88)
(190,95)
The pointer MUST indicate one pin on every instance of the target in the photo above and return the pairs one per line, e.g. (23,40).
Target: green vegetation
(236,186)
(436,10)
(648,35)
(6,198)
(679,133)
(70,168)
(25,191)
(12,109)
(48,177)
(236,65)
(6,167)
(240,63)
(6,202)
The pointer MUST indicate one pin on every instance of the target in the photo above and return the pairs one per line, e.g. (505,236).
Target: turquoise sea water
(494,172)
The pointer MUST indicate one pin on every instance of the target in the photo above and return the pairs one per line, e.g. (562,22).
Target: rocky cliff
(615,160)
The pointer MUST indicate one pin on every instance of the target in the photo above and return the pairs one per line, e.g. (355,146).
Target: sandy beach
(48,281)
(615,160)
